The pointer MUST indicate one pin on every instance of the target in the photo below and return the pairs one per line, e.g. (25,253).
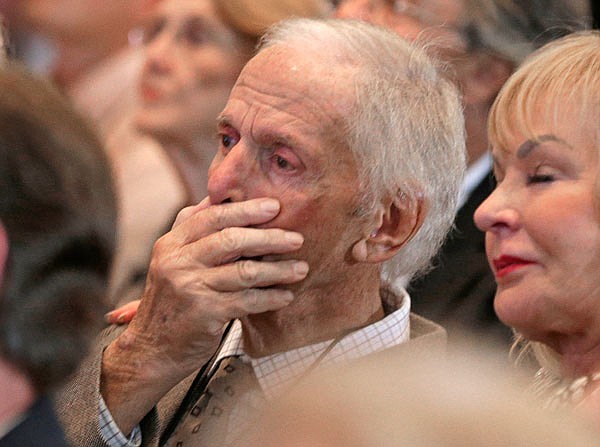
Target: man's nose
(497,213)
(229,174)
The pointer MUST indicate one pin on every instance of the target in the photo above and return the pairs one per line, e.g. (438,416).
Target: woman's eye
(539,176)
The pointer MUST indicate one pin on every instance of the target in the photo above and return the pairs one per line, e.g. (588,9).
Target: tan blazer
(77,403)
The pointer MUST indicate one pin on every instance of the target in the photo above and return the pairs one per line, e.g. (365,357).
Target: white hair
(406,131)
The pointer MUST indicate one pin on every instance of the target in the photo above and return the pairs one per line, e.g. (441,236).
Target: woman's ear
(397,223)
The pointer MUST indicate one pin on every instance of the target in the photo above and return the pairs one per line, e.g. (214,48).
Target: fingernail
(301,268)
(294,238)
(108,315)
(121,318)
(269,206)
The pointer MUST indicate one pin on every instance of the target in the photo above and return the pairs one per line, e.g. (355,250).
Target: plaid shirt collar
(278,371)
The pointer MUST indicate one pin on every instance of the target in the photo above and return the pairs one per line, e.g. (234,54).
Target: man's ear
(397,223)
(482,78)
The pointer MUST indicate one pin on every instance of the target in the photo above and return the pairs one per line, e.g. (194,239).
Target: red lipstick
(507,264)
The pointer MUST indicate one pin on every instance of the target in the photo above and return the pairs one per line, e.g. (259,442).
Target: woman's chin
(513,312)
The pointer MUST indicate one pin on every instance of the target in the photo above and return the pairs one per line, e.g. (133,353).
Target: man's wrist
(128,385)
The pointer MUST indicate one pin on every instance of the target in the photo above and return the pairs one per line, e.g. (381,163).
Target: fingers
(232,243)
(248,274)
(189,211)
(123,314)
(255,301)
(199,222)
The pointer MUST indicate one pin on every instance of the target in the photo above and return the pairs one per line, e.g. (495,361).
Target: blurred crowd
(444,153)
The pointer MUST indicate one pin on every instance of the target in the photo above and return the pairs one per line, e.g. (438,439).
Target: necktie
(222,410)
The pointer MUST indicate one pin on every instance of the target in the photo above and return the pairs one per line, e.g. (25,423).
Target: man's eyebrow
(528,146)
(223,121)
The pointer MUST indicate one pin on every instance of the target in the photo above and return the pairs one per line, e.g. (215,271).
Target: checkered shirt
(278,371)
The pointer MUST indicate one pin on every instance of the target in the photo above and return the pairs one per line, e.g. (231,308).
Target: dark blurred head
(57,210)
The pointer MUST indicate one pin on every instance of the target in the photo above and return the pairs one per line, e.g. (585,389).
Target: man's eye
(282,162)
(227,141)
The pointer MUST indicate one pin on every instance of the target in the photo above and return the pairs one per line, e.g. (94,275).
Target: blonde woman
(542,221)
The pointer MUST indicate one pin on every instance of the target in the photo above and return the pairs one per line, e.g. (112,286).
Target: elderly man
(341,151)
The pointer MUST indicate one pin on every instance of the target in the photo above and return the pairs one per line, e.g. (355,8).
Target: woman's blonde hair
(567,70)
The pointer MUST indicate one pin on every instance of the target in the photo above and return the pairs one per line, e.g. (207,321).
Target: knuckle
(276,235)
(160,246)
(183,213)
(247,271)
(252,299)
(229,240)
(219,217)
(162,255)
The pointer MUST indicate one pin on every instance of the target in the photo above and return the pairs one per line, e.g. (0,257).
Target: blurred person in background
(96,61)
(467,399)
(483,41)
(542,221)
(92,51)
(57,227)
(25,45)
(193,52)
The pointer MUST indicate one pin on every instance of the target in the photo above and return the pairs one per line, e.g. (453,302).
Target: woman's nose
(497,212)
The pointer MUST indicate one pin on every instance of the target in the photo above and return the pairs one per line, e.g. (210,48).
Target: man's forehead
(287,62)
(289,74)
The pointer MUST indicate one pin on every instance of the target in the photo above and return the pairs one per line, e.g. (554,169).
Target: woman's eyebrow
(528,146)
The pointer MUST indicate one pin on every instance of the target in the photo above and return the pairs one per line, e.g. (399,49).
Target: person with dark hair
(57,236)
